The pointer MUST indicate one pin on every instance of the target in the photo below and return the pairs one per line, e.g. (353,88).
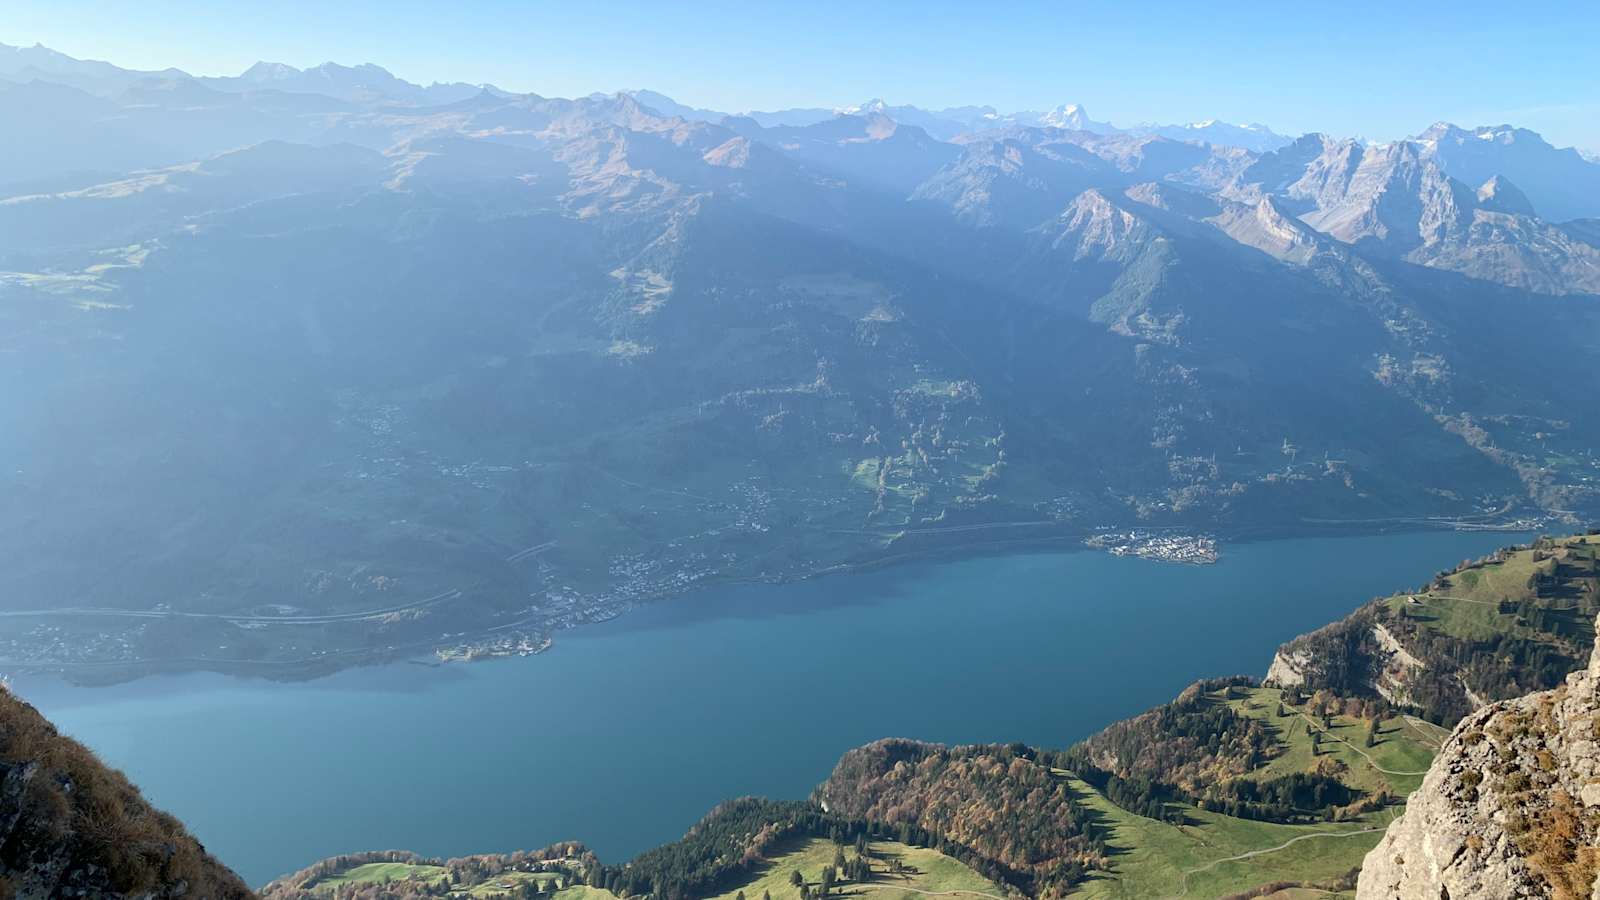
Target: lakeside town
(1190,549)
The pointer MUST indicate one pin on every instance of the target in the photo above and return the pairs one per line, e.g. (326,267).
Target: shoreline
(429,653)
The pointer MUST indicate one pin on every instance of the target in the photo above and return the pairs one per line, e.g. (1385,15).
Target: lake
(625,733)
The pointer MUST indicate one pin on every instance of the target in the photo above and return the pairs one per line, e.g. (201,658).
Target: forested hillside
(1495,628)
(1000,801)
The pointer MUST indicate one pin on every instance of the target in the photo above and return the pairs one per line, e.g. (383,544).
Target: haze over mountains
(401,368)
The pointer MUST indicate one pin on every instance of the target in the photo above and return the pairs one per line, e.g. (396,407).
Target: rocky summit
(1509,808)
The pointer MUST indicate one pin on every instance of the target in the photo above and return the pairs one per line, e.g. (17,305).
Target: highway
(106,612)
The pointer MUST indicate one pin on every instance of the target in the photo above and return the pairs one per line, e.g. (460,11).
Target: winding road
(98,612)
(912,890)
(1370,761)
(1262,852)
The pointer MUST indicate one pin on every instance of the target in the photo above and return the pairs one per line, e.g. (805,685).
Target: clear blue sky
(1379,70)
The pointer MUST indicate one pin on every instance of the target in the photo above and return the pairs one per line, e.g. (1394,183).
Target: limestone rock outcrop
(1510,807)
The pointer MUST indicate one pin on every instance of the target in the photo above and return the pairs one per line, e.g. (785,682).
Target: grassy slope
(380,872)
(1543,631)
(1466,605)
(1155,859)
(584,892)
(505,885)
(1395,763)
(935,873)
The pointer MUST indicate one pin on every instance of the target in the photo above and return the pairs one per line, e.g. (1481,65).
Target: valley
(403,373)
(548,488)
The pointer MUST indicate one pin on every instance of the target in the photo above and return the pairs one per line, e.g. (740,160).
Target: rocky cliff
(71,827)
(1496,628)
(1510,807)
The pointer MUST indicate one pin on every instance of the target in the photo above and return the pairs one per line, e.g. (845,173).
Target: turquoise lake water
(625,733)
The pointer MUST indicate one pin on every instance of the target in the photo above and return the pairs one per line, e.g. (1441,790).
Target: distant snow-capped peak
(875,105)
(1066,115)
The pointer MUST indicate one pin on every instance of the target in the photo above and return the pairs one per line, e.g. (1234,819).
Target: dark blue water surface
(625,733)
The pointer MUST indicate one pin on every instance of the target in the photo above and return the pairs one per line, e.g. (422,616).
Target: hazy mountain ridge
(373,85)
(811,345)
(1563,182)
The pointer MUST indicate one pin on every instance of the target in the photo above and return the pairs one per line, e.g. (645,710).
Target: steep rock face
(1312,171)
(1510,807)
(1399,200)
(1094,227)
(1181,201)
(1268,228)
(70,827)
(1500,195)
(1393,198)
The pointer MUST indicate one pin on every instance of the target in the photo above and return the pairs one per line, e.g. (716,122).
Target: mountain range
(345,369)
